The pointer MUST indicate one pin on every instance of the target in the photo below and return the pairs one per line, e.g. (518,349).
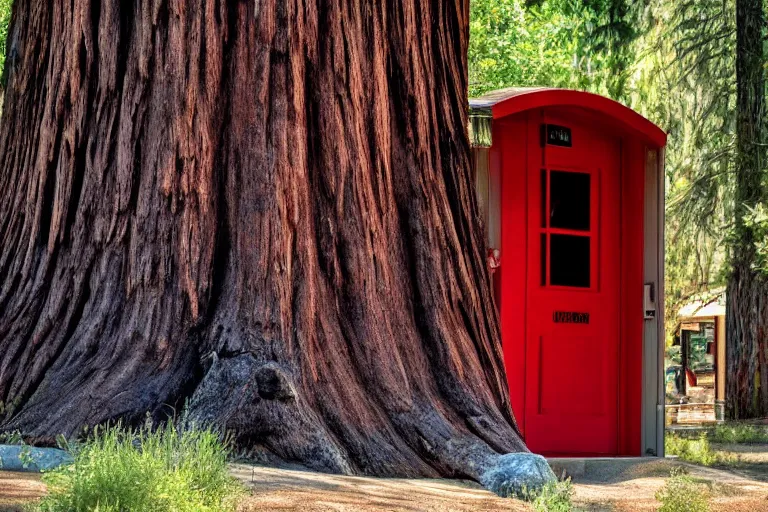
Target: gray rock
(518,474)
(27,458)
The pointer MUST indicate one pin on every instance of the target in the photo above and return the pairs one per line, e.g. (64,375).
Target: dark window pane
(569,261)
(569,200)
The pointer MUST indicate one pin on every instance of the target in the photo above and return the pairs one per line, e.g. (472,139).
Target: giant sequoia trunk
(747,294)
(261,208)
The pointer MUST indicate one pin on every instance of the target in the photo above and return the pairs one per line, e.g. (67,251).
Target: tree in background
(264,209)
(747,306)
(704,81)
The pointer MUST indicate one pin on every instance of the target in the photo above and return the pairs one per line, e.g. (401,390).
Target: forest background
(672,61)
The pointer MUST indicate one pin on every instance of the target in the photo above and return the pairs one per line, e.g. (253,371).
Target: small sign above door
(570,317)
(554,135)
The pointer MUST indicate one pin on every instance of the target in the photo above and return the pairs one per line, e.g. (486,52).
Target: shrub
(682,494)
(554,497)
(697,451)
(146,470)
(740,434)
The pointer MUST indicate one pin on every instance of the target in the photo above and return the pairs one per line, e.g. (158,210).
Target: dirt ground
(619,485)
(16,489)
(625,485)
(291,490)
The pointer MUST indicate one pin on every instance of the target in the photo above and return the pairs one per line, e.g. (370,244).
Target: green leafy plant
(512,44)
(148,470)
(740,434)
(681,493)
(13,438)
(696,450)
(554,497)
(6,8)
(25,456)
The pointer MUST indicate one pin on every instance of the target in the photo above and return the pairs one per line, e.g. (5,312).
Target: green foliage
(12,438)
(558,43)
(554,497)
(148,470)
(545,43)
(514,46)
(681,493)
(697,450)
(740,433)
(684,80)
(609,39)
(6,7)
(25,456)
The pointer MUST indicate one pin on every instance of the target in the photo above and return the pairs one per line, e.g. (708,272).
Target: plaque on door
(554,135)
(570,317)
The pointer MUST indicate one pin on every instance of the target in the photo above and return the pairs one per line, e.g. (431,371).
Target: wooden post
(685,348)
(720,367)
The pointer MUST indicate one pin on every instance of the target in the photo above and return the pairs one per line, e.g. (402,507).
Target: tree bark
(747,290)
(261,208)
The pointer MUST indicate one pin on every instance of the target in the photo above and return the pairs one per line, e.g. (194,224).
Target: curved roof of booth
(513,100)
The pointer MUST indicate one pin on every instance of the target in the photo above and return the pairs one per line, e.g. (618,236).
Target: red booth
(571,186)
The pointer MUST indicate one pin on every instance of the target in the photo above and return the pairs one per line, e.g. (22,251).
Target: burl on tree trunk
(263,208)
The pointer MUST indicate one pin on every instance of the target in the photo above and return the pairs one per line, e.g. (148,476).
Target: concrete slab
(568,467)
(581,466)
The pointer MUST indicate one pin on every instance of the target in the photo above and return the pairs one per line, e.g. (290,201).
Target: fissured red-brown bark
(263,209)
(747,291)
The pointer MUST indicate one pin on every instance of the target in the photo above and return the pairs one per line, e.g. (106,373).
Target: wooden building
(702,319)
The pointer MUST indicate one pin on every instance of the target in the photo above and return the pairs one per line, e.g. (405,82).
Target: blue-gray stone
(518,475)
(27,458)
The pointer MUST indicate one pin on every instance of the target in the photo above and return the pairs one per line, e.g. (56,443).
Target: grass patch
(740,433)
(681,493)
(11,438)
(146,470)
(697,451)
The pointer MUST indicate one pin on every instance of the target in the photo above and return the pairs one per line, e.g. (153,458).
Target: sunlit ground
(621,485)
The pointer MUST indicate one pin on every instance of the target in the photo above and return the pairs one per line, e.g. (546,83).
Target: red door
(572,326)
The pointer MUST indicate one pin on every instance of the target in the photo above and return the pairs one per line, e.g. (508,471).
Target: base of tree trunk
(747,344)
(263,208)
